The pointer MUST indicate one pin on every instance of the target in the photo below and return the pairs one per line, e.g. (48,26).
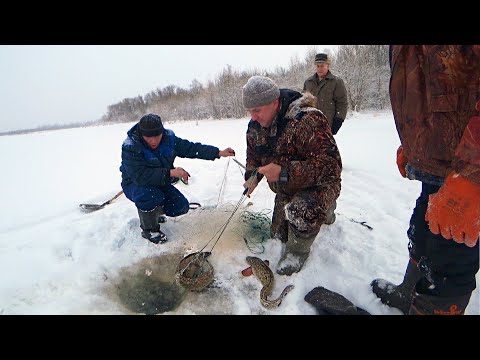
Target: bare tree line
(364,69)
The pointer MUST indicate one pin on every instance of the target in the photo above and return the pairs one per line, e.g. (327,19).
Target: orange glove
(454,211)
(401,161)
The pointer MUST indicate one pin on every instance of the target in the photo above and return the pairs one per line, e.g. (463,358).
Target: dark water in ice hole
(148,287)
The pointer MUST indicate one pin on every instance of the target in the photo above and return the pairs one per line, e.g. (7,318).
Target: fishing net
(250,227)
(194,272)
(254,228)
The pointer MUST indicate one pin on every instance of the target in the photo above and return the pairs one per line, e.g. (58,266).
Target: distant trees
(364,68)
(127,110)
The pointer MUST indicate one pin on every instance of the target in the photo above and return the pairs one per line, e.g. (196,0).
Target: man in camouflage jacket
(289,142)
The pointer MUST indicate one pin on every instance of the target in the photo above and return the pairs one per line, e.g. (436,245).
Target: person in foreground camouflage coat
(290,142)
(435,96)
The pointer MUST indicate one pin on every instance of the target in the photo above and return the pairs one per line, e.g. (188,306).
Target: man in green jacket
(330,92)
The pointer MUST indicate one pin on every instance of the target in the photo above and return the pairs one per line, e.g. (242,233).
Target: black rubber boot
(328,302)
(423,304)
(398,296)
(161,215)
(149,222)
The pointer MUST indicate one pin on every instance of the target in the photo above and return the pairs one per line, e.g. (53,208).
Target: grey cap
(258,91)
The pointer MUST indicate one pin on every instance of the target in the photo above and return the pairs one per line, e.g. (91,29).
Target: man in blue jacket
(147,169)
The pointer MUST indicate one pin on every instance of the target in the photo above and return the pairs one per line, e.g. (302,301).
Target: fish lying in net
(194,272)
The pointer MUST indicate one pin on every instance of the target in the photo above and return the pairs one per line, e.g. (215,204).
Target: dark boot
(296,253)
(331,214)
(150,226)
(328,302)
(423,304)
(161,215)
(398,296)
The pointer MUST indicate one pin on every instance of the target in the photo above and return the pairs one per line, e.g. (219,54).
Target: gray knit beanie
(258,91)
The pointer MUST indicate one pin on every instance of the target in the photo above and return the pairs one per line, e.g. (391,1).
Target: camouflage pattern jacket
(434,90)
(300,140)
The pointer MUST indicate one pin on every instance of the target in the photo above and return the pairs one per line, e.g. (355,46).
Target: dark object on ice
(363,223)
(331,303)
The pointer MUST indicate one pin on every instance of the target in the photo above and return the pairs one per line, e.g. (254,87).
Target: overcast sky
(62,84)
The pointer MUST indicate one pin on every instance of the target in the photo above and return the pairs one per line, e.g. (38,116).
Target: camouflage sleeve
(467,153)
(315,143)
(253,160)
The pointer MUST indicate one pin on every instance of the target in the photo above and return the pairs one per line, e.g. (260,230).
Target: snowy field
(55,259)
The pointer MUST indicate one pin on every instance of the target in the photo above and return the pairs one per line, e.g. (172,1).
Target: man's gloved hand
(336,124)
(401,161)
(454,211)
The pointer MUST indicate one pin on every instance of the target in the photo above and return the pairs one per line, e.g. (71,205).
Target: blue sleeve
(188,149)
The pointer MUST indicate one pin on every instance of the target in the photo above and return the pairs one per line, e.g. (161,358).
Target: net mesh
(201,230)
